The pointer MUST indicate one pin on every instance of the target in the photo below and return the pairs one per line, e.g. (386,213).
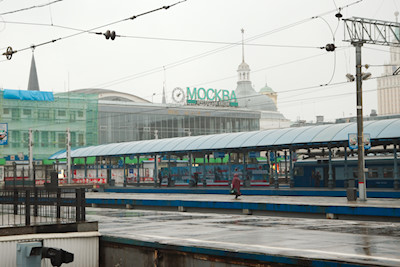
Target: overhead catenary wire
(29,8)
(211,52)
(98,27)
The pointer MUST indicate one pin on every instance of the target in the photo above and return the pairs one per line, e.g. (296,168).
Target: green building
(49,120)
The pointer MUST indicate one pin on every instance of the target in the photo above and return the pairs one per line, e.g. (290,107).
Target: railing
(21,206)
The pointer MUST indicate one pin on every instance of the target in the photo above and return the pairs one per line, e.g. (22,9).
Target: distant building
(264,101)
(389,86)
(49,120)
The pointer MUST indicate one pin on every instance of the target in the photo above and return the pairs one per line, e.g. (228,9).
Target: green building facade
(49,121)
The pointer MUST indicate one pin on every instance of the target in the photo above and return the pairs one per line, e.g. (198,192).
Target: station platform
(307,228)
(248,240)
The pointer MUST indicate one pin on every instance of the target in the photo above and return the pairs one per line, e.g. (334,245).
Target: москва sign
(209,96)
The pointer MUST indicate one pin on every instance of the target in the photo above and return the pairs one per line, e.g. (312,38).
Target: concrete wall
(148,255)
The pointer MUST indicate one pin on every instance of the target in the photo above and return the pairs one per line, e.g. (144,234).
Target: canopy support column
(229,169)
(85,161)
(286,173)
(346,175)
(204,171)
(138,170)
(276,184)
(97,167)
(190,168)
(291,168)
(396,182)
(330,176)
(124,171)
(155,173)
(244,170)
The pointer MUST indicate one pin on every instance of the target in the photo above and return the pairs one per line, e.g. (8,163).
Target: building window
(27,112)
(15,113)
(80,114)
(44,139)
(6,111)
(62,140)
(26,140)
(43,114)
(81,140)
(16,139)
(61,113)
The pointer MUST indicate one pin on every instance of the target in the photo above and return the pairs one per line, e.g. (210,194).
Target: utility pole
(368,31)
(362,190)
(155,175)
(69,176)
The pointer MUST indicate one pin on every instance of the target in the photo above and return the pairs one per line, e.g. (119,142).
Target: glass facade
(49,121)
(119,122)
(92,121)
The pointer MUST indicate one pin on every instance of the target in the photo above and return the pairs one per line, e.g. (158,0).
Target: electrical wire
(269,67)
(29,8)
(211,52)
(98,27)
(334,52)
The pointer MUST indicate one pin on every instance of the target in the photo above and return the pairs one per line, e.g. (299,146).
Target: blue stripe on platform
(272,207)
(254,192)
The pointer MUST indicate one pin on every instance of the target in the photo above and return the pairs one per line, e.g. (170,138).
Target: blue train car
(315,173)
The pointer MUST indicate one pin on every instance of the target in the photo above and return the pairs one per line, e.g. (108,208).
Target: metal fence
(22,206)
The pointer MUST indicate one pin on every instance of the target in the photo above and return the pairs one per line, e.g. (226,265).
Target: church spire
(33,83)
(164,100)
(242,45)
(244,69)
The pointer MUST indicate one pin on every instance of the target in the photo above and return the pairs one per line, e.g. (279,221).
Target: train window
(355,173)
(372,173)
(298,171)
(387,172)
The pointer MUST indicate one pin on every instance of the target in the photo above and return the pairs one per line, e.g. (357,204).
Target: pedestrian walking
(236,186)
(196,179)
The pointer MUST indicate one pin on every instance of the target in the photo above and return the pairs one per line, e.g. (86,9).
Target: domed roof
(106,94)
(266,89)
(248,98)
(244,66)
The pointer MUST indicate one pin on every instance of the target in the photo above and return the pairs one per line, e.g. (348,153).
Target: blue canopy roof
(320,135)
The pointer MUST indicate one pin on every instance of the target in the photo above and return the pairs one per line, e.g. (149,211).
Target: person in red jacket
(236,185)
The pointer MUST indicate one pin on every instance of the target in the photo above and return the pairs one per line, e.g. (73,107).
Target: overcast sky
(197,44)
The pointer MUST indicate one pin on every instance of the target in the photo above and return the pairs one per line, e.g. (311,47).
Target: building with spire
(389,84)
(266,102)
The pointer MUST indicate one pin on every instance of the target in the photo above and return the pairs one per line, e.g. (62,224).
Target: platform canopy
(380,131)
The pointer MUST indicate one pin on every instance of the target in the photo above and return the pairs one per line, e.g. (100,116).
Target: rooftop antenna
(163,93)
(242,30)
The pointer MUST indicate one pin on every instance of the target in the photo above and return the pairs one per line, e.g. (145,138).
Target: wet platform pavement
(318,207)
(283,240)
(288,237)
